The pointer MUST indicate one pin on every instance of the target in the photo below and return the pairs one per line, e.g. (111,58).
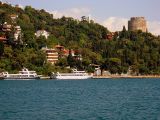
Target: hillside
(136,50)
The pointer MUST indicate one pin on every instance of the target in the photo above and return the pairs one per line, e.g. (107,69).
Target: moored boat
(74,75)
(25,74)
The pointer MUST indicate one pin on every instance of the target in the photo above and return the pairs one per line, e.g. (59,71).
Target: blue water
(103,99)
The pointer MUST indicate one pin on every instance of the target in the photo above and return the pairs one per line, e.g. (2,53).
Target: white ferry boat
(74,75)
(24,74)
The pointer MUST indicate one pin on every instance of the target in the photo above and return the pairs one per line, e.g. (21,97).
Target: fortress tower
(137,23)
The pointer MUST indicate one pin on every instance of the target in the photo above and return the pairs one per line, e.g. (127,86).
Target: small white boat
(74,75)
(24,74)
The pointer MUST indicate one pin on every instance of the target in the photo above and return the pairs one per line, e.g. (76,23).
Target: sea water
(93,99)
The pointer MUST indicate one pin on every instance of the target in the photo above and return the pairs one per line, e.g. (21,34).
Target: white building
(17,32)
(42,33)
(14,16)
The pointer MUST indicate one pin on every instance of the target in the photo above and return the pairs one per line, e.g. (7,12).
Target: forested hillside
(127,49)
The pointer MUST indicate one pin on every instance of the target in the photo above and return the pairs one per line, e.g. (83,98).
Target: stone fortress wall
(137,23)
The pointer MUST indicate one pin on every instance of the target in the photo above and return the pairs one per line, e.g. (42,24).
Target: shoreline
(115,76)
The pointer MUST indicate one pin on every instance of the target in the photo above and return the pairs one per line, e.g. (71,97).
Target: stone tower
(137,23)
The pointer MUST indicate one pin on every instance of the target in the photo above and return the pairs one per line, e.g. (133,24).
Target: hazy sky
(110,13)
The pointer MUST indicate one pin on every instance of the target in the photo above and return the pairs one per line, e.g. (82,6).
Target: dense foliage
(128,49)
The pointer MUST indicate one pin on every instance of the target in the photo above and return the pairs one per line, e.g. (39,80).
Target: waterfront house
(52,55)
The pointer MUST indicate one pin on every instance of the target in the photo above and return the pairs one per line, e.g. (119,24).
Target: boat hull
(25,74)
(71,77)
(74,75)
(22,78)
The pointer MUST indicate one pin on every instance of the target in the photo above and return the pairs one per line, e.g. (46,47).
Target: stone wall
(137,23)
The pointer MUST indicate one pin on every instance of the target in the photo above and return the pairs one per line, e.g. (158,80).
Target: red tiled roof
(59,46)
(13,15)
(3,38)
(66,51)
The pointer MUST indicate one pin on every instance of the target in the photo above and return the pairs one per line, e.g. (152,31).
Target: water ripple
(105,99)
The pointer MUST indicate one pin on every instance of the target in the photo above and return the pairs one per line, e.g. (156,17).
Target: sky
(113,14)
